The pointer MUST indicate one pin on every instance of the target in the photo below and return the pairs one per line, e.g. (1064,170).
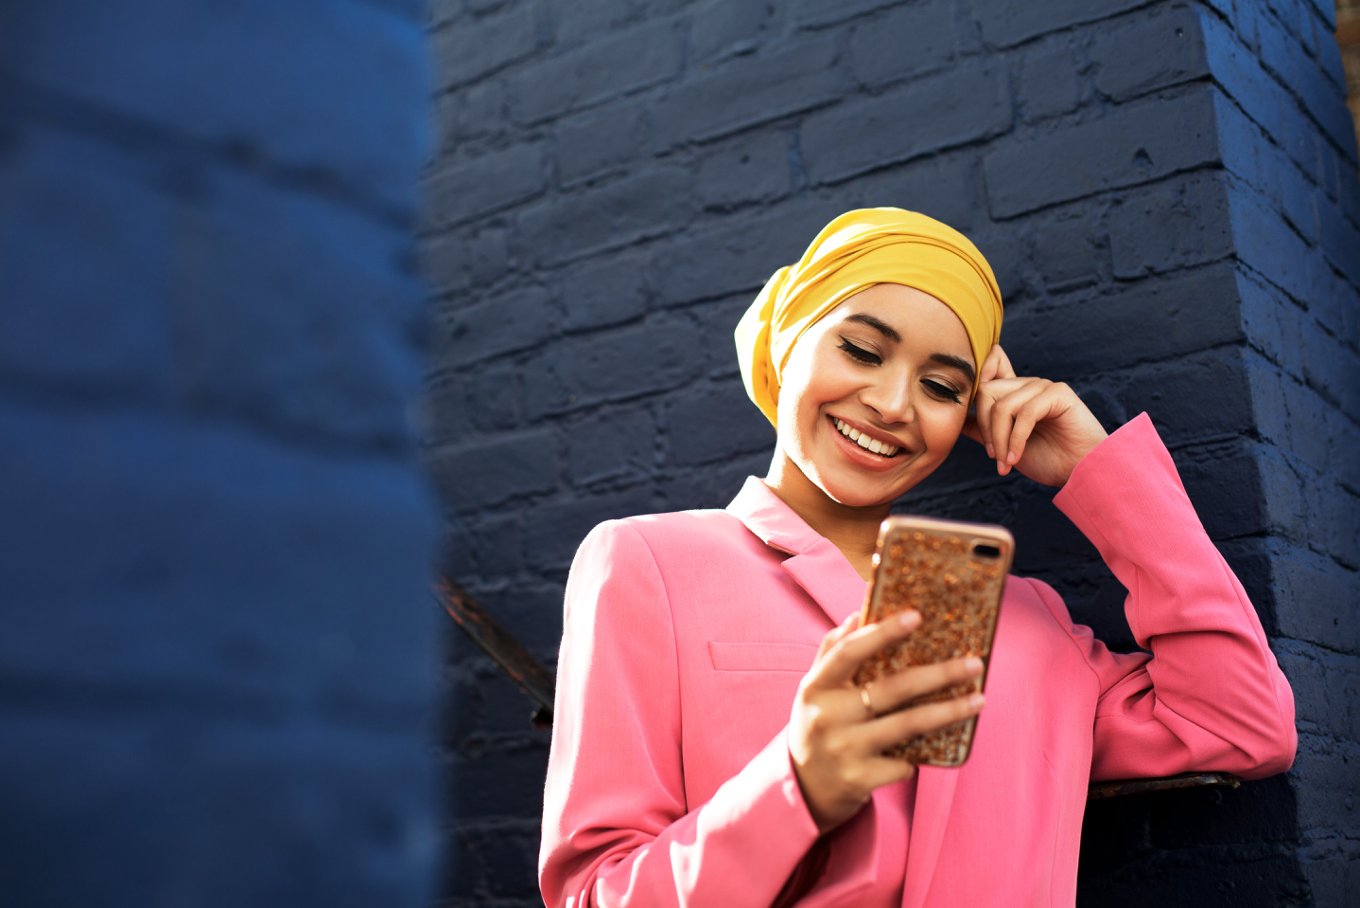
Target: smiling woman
(710,746)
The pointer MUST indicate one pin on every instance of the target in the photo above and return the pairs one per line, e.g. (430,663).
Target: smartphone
(953,573)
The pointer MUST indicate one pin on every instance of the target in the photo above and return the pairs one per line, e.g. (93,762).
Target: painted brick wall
(1168,194)
(216,657)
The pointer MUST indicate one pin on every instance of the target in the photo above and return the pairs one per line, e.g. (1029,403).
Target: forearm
(1212,684)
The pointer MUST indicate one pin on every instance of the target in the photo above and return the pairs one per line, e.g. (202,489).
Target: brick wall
(1168,194)
(216,663)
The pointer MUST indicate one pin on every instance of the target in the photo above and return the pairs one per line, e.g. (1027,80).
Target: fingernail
(976,701)
(909,618)
(973,665)
(1012,457)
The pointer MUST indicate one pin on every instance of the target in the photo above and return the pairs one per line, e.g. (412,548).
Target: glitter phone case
(953,573)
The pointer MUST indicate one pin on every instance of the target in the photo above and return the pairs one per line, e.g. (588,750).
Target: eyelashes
(936,389)
(860,353)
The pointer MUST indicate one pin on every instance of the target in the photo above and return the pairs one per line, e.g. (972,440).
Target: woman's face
(891,368)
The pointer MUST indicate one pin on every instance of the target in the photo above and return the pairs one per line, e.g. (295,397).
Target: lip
(861,457)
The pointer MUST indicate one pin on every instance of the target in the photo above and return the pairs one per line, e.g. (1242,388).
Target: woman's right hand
(837,744)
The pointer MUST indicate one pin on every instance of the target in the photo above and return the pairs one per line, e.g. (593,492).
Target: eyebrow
(890,332)
(962,365)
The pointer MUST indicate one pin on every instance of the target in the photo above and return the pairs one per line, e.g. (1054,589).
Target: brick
(717,321)
(496,544)
(1151,320)
(906,42)
(819,13)
(469,258)
(1178,224)
(1322,98)
(947,187)
(461,190)
(491,398)
(748,91)
(1006,23)
(340,90)
(534,610)
(746,169)
(712,485)
(957,107)
(469,50)
(177,586)
(599,141)
(612,445)
(603,292)
(308,329)
(1332,368)
(1134,145)
(1239,73)
(1317,602)
(491,471)
(129,797)
(101,325)
(558,528)
(1150,55)
(575,23)
(481,791)
(515,320)
(1050,84)
(599,217)
(1066,249)
(1266,243)
(715,423)
(608,66)
(469,112)
(1195,398)
(736,254)
(1340,241)
(1226,486)
(616,365)
(719,28)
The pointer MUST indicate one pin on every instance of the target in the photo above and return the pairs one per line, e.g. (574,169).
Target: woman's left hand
(1033,425)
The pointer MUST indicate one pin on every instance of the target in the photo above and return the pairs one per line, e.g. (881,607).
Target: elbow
(1271,755)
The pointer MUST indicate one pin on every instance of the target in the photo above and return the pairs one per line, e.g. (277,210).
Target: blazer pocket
(762,657)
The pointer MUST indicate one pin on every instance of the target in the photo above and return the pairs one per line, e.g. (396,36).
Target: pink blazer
(686,634)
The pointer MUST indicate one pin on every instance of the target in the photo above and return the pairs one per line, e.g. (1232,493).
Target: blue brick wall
(1168,193)
(216,664)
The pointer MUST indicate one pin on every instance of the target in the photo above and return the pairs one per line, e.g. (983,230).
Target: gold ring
(864,698)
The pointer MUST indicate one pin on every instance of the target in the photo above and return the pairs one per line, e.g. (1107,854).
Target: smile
(864,441)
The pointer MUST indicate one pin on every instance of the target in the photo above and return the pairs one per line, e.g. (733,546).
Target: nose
(890,398)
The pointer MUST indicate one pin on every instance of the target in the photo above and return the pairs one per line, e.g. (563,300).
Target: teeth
(864,441)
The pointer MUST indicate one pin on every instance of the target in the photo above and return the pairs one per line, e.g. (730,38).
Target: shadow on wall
(1168,195)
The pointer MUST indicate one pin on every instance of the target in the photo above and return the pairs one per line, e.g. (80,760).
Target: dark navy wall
(217,656)
(1168,193)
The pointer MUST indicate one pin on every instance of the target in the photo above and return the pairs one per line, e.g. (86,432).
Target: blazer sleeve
(617,830)
(1211,696)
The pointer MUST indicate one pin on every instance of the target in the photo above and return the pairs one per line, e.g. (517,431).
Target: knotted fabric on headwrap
(857,250)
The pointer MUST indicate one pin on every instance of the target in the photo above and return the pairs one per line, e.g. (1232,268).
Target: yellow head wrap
(855,251)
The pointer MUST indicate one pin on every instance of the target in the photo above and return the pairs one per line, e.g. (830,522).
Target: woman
(709,746)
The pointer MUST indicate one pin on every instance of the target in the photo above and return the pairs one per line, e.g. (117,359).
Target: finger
(893,728)
(879,770)
(845,655)
(1003,419)
(1041,407)
(1004,368)
(905,686)
(838,632)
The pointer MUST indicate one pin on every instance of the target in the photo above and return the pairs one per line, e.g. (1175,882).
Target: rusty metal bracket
(508,653)
(1102,790)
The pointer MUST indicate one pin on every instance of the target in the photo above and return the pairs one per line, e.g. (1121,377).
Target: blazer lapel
(823,572)
(816,564)
(934,796)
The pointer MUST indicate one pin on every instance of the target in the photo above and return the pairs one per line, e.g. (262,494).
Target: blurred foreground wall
(215,631)
(1168,193)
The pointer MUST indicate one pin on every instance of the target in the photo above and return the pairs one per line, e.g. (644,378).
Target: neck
(852,530)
